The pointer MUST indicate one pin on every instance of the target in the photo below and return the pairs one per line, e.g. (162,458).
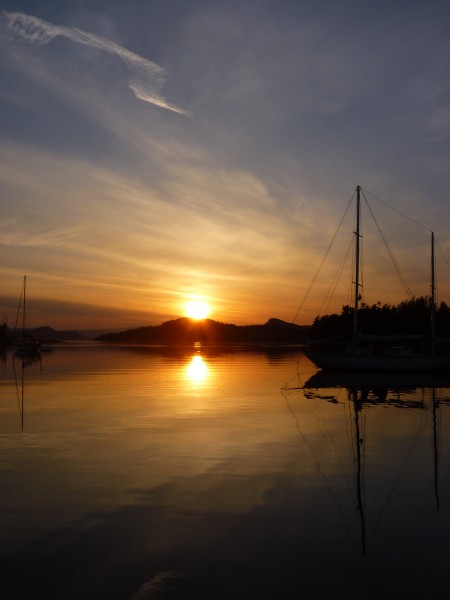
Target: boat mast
(433,305)
(355,312)
(24,305)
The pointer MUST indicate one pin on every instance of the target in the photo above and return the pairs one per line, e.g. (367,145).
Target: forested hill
(187,331)
(410,317)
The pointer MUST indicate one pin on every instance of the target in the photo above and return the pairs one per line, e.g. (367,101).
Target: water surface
(138,473)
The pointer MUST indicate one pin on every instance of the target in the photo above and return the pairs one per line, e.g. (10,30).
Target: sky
(155,152)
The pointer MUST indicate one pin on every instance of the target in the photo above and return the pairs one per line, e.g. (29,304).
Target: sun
(197,310)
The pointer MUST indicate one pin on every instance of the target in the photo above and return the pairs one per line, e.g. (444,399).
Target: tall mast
(355,313)
(24,304)
(433,305)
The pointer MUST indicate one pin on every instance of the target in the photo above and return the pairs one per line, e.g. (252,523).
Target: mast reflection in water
(361,391)
(137,472)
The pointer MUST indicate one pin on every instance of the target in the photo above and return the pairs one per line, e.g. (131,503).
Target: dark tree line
(410,317)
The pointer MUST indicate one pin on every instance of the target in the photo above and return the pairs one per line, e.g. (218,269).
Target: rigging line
(394,261)
(326,433)
(18,308)
(334,283)
(436,290)
(409,452)
(442,254)
(320,471)
(323,260)
(298,376)
(324,430)
(397,211)
(405,527)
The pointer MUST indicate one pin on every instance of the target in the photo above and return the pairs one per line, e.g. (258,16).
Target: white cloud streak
(147,78)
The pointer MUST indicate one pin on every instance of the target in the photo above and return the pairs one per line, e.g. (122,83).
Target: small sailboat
(366,353)
(25,345)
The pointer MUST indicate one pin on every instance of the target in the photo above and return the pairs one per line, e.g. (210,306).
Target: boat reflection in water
(394,389)
(359,392)
(182,473)
(20,364)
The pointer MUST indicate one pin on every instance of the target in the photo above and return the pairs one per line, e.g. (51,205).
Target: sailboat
(366,353)
(25,345)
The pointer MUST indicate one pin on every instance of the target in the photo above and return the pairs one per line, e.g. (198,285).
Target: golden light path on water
(204,458)
(197,369)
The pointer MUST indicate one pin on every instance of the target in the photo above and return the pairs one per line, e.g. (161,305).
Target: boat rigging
(374,352)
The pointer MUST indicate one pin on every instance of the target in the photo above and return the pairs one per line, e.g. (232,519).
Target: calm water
(134,474)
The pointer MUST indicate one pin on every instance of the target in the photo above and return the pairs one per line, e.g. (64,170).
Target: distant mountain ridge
(207,331)
(48,334)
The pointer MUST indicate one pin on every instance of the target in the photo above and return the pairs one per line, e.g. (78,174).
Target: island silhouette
(408,318)
(185,330)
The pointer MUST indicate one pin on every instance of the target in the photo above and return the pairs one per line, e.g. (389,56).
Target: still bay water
(135,473)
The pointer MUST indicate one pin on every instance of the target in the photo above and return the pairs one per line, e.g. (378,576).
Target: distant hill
(94,333)
(47,334)
(187,331)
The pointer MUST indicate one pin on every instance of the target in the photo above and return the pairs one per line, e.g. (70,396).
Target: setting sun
(197,310)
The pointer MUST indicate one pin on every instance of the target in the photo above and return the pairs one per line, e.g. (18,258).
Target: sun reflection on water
(197,370)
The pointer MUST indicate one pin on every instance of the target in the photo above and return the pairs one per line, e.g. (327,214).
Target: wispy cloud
(147,78)
(156,585)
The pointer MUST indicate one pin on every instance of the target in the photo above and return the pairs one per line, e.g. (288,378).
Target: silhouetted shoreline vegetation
(409,318)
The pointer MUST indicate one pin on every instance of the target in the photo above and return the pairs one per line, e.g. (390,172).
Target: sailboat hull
(393,363)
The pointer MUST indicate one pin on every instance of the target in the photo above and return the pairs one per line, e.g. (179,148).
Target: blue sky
(154,152)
